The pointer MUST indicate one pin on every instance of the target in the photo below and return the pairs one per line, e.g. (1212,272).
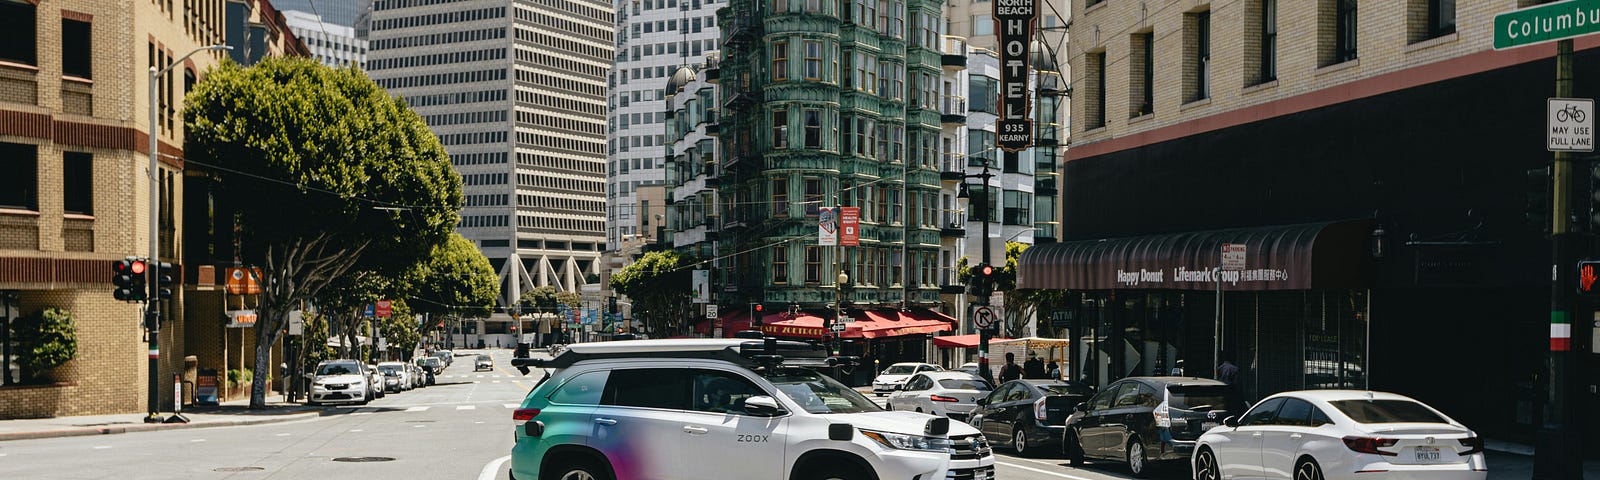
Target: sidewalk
(228,414)
(1512,466)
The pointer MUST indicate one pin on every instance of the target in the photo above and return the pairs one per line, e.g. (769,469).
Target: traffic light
(611,304)
(756,310)
(129,279)
(981,281)
(165,279)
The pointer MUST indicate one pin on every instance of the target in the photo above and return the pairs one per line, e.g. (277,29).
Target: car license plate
(1207,426)
(980,474)
(1426,454)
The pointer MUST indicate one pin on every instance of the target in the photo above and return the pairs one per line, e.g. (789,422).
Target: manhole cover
(238,469)
(363,459)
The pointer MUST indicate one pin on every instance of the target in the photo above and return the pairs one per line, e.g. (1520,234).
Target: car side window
(584,389)
(1103,400)
(915,383)
(1262,414)
(1148,397)
(1318,418)
(648,387)
(1295,413)
(1127,396)
(717,391)
(1017,392)
(999,394)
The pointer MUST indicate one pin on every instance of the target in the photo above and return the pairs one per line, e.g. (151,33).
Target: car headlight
(909,442)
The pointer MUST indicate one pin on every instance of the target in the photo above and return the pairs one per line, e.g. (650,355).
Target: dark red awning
(870,324)
(960,341)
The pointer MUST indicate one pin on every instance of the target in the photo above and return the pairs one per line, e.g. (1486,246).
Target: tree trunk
(290,272)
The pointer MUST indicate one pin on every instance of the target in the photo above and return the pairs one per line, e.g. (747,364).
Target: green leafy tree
(401,331)
(659,285)
(454,282)
(337,173)
(48,339)
(1023,304)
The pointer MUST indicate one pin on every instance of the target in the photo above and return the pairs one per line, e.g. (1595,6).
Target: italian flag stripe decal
(1560,337)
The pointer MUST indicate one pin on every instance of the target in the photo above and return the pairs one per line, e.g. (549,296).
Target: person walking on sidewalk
(1011,371)
(1227,372)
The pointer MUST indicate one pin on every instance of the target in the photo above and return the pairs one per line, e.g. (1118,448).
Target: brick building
(74,183)
(1369,157)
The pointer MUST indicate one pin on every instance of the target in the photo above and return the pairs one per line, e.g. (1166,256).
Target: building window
(75,51)
(813,195)
(77,185)
(980,148)
(1143,77)
(1197,61)
(780,6)
(780,61)
(780,196)
(813,265)
(813,120)
(780,265)
(1095,109)
(17,30)
(982,94)
(1337,31)
(1018,207)
(1439,15)
(780,129)
(19,176)
(813,6)
(1266,49)
(813,59)
(982,25)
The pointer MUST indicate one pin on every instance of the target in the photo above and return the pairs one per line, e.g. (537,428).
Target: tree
(455,281)
(333,172)
(48,338)
(659,284)
(400,330)
(1021,305)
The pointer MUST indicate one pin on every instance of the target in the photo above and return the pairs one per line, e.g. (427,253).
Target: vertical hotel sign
(1014,20)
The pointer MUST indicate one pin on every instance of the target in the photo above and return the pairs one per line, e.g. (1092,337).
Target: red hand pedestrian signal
(1589,279)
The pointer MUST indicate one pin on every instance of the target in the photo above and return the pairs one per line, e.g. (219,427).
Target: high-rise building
(335,12)
(655,38)
(517,92)
(330,43)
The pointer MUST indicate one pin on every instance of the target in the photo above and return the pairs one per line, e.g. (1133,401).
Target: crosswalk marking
(101,447)
(197,440)
(283,434)
(466,407)
(418,409)
(496,381)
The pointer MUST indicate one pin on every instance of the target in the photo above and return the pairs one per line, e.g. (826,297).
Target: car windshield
(1387,411)
(964,384)
(483,357)
(338,369)
(1066,389)
(390,370)
(819,394)
(901,370)
(1200,397)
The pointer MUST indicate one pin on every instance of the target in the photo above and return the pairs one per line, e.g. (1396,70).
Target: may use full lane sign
(1014,23)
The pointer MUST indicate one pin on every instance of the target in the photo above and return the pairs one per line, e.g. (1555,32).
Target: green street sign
(1546,23)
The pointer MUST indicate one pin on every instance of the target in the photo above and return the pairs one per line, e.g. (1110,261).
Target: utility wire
(386,204)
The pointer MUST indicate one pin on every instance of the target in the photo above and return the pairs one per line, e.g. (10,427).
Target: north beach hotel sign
(1014,22)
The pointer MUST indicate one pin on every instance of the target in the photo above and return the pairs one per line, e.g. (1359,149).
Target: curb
(85,431)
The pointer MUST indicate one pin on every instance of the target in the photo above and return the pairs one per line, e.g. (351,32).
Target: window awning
(1330,255)
(870,324)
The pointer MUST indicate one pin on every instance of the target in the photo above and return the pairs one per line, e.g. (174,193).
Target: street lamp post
(983,333)
(152,309)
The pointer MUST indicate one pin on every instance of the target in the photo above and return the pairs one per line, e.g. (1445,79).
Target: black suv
(1140,420)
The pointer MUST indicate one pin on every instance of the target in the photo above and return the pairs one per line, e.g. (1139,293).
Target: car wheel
(580,470)
(1307,469)
(1137,463)
(1071,447)
(1019,442)
(1205,466)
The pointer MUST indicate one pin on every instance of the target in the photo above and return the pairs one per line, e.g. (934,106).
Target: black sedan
(1028,415)
(1146,420)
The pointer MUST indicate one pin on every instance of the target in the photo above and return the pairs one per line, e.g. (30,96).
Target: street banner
(1014,20)
(827,227)
(385,307)
(700,283)
(243,281)
(850,226)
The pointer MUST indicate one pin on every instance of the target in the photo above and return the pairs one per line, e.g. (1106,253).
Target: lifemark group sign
(1546,23)
(1014,21)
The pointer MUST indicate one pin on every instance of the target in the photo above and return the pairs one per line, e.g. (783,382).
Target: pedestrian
(1227,372)
(1011,371)
(1052,371)
(1177,369)
(1033,368)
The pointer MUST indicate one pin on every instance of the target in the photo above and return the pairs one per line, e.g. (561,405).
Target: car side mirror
(762,406)
(1081,407)
(1231,422)
(897,387)
(983,401)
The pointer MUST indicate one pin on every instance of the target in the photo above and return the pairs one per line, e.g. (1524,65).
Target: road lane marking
(1046,472)
(513,405)
(477,423)
(491,471)
(418,426)
(356,430)
(418,409)
(466,407)
(283,434)
(197,440)
(101,447)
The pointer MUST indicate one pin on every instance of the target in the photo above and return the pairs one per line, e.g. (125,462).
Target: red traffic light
(137,267)
(760,308)
(987,270)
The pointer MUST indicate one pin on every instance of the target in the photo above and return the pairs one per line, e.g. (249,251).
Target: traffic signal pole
(984,332)
(1558,453)
(153,267)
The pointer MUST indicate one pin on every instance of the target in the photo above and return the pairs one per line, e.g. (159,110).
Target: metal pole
(153,323)
(984,332)
(1557,453)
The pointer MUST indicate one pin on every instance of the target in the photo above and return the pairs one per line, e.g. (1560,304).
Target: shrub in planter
(48,338)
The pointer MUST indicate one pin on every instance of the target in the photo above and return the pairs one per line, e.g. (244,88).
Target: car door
(1016,409)
(906,397)
(639,422)
(991,424)
(1091,435)
(1280,442)
(719,425)
(1240,456)
(1110,426)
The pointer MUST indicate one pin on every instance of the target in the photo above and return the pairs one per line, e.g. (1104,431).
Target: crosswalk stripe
(418,409)
(466,407)
(496,381)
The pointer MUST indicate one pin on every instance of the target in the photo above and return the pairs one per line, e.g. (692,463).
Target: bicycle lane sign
(1570,125)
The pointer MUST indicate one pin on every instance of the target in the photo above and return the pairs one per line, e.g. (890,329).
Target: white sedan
(948,393)
(896,375)
(1340,434)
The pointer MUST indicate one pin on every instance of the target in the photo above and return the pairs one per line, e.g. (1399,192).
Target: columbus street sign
(1546,23)
(1014,23)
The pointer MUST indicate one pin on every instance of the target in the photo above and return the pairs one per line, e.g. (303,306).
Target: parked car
(1334,434)
(432,364)
(445,356)
(1142,420)
(969,367)
(896,375)
(418,379)
(1028,415)
(340,381)
(950,394)
(376,377)
(396,376)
